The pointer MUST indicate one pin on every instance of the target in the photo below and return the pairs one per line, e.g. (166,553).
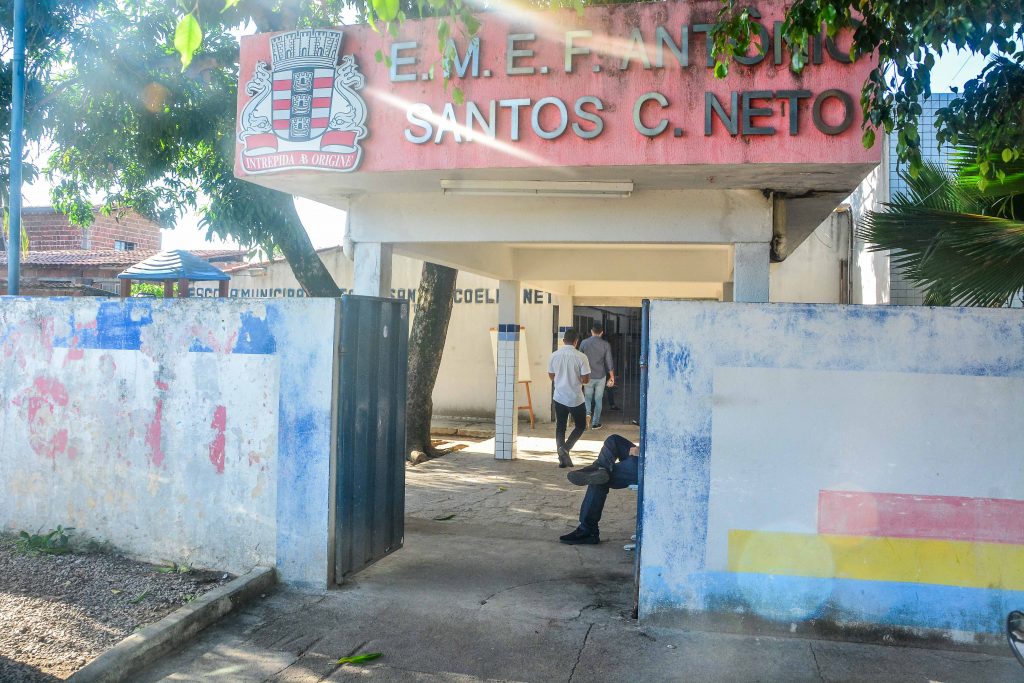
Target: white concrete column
(372,269)
(565,307)
(750,272)
(506,400)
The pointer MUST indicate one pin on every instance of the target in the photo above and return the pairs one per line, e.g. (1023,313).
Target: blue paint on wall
(304,446)
(676,359)
(303,484)
(254,335)
(199,347)
(119,326)
(850,601)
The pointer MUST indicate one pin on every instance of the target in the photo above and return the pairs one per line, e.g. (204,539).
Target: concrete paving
(528,491)
(490,595)
(480,428)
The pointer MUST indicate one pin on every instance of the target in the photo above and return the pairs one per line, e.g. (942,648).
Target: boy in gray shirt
(602,373)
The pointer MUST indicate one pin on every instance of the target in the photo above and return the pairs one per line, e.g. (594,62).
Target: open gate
(370,474)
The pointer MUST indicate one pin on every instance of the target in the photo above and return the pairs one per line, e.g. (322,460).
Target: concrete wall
(871,268)
(815,467)
(812,273)
(465,383)
(652,217)
(187,431)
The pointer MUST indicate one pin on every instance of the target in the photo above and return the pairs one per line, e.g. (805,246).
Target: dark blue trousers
(624,469)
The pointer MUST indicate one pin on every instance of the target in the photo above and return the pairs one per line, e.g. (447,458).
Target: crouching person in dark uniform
(617,467)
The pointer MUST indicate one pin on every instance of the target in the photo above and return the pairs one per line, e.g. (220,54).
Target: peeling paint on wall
(856,467)
(172,429)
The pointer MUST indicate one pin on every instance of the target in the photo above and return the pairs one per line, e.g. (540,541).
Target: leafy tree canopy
(909,35)
(51,26)
(141,127)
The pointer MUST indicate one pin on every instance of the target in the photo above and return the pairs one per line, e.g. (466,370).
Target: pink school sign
(621,85)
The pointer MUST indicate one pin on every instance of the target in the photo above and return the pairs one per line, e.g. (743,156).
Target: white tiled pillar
(750,264)
(506,413)
(372,269)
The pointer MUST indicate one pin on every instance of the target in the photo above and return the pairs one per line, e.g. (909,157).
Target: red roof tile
(86,257)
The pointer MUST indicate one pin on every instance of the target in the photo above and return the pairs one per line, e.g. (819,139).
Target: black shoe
(581,537)
(614,408)
(563,459)
(578,532)
(591,474)
(597,426)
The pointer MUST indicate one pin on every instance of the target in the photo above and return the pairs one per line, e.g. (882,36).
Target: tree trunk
(430,324)
(290,235)
(426,344)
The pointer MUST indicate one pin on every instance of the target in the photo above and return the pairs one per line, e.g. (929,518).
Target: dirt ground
(58,612)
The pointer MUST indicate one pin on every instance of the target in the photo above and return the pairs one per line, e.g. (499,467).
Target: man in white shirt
(569,370)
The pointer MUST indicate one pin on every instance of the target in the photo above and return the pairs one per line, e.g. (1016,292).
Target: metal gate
(645,361)
(622,329)
(370,474)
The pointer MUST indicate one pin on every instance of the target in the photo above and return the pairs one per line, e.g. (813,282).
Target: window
(120,245)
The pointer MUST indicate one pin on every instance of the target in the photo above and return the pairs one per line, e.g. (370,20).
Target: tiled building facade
(901,291)
(48,230)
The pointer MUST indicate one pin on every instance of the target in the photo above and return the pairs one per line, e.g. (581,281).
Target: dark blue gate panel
(370,488)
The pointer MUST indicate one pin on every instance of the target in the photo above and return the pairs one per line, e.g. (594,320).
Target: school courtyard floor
(483,591)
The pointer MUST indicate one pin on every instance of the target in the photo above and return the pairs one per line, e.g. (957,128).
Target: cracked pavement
(490,595)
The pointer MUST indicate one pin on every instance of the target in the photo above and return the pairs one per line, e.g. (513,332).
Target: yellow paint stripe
(950,563)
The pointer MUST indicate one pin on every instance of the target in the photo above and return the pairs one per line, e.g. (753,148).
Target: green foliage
(908,36)
(188,36)
(360,659)
(148,289)
(961,244)
(989,112)
(175,568)
(54,542)
(7,233)
(133,128)
(50,28)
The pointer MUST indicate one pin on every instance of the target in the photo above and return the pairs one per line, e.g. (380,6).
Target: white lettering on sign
(550,117)
(477,295)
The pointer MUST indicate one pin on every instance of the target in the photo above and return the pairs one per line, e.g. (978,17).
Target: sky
(324,224)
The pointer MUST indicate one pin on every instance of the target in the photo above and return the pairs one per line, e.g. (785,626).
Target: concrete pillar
(506,413)
(750,263)
(372,269)
(564,315)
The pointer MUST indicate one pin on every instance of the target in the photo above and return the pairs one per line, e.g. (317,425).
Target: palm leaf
(977,259)
(998,197)
(958,241)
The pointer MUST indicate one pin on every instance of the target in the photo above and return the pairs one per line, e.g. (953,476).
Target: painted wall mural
(187,431)
(836,466)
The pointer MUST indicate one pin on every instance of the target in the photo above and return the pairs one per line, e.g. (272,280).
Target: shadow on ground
(490,595)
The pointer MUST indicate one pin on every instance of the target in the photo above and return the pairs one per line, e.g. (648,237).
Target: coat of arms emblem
(304,110)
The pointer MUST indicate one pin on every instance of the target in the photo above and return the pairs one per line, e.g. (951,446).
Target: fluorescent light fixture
(537,188)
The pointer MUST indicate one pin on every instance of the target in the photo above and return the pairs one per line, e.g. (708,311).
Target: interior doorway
(622,329)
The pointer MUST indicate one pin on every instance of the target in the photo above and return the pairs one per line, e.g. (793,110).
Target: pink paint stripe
(218,424)
(858,513)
